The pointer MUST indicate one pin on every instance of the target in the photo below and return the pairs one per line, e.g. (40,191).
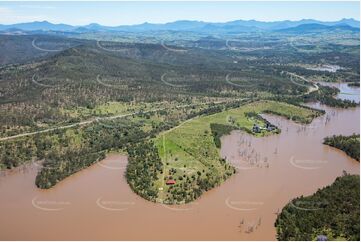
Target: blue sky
(122,13)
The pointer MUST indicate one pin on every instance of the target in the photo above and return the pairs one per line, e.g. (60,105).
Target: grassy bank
(190,155)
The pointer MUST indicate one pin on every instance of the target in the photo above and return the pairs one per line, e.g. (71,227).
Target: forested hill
(139,68)
(332,213)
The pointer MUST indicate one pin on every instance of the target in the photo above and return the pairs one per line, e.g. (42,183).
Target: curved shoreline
(242,190)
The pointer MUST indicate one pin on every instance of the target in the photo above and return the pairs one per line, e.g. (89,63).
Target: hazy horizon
(131,13)
(179,20)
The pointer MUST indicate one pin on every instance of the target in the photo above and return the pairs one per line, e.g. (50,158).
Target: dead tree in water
(240,226)
(276,151)
(259,222)
(250,229)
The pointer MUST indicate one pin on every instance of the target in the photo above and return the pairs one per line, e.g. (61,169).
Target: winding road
(312,88)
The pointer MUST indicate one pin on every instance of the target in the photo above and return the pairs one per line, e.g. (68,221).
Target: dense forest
(56,168)
(144,166)
(332,213)
(62,161)
(349,144)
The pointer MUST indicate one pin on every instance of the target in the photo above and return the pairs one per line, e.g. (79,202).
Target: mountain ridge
(181,25)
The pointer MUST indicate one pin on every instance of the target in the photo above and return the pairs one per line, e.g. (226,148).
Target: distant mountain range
(286,26)
(314,28)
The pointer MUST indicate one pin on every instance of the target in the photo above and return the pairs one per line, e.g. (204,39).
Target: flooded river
(97,203)
(274,169)
(346,92)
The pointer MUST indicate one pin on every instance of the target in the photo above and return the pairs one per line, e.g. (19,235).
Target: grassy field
(188,151)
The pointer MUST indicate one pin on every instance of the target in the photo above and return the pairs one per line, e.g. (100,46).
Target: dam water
(97,203)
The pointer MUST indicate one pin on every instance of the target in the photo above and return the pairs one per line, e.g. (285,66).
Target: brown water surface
(97,203)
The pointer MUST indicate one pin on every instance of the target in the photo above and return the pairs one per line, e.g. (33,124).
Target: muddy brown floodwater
(97,203)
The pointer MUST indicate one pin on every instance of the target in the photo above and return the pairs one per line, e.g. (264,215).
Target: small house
(270,127)
(170,182)
(256,128)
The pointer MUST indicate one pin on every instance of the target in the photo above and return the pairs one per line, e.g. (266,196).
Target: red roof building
(170,182)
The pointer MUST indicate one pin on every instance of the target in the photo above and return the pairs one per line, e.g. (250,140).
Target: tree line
(332,213)
(349,144)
